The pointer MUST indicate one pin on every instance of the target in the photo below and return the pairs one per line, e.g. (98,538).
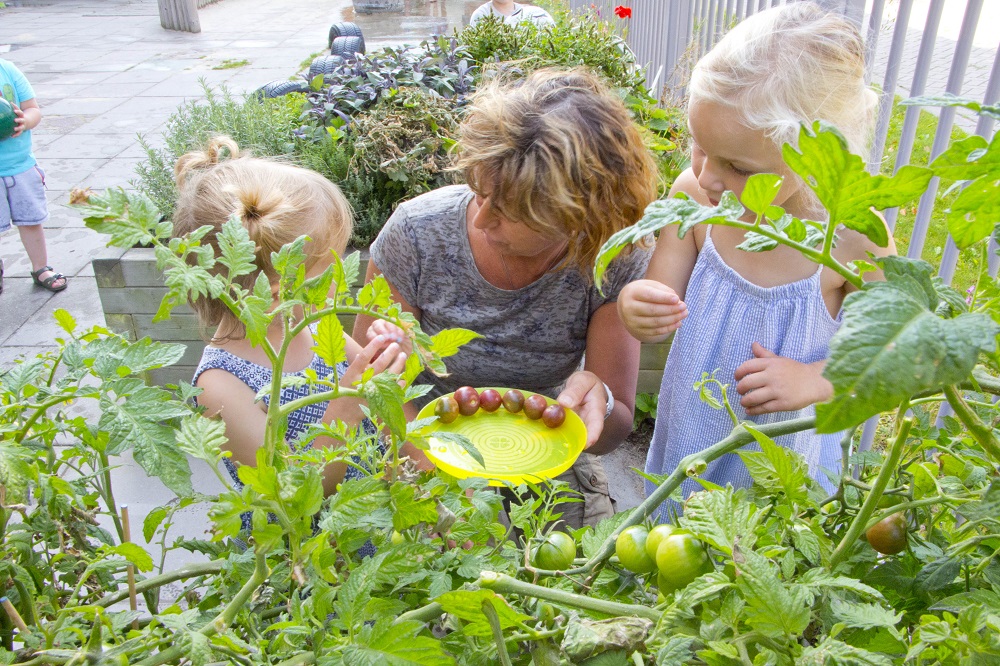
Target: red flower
(621,11)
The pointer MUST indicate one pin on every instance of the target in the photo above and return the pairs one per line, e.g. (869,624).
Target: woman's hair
(276,203)
(558,152)
(787,66)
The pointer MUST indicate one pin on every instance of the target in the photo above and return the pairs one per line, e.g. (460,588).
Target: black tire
(348,47)
(279,88)
(343,29)
(324,64)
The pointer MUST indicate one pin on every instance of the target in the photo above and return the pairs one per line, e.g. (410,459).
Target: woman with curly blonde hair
(554,167)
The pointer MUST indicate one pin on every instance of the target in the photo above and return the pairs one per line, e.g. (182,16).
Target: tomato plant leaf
(892,345)
(254,310)
(844,186)
(409,510)
(467,605)
(774,608)
(331,346)
(152,522)
(760,191)
(863,616)
(950,99)
(135,554)
(776,469)
(202,438)
(388,644)
(355,500)
(385,398)
(450,340)
(722,519)
(832,651)
(375,294)
(956,603)
(236,249)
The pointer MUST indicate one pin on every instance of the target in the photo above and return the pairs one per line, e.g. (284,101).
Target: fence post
(179,15)
(854,10)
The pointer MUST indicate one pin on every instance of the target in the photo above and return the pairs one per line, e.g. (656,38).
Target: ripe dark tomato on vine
(446,409)
(490,400)
(534,406)
(513,401)
(681,558)
(468,400)
(630,547)
(553,416)
(888,536)
(555,553)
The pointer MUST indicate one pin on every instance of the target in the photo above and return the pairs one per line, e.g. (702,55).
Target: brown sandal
(48,282)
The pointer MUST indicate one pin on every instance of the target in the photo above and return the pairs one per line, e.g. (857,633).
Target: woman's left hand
(771,383)
(585,395)
(390,332)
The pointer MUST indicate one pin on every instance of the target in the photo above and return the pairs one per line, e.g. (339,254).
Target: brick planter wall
(131,289)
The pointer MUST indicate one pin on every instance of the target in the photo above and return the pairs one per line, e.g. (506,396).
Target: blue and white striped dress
(726,314)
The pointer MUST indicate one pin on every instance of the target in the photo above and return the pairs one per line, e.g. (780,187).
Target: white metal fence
(667,36)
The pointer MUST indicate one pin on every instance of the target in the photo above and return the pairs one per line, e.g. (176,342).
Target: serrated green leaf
(135,554)
(976,211)
(844,186)
(355,500)
(776,469)
(129,218)
(774,608)
(375,294)
(199,649)
(449,341)
(949,99)
(956,603)
(389,644)
(152,522)
(385,398)
(831,651)
(65,320)
(331,346)
(890,346)
(467,605)
(863,616)
(236,249)
(760,191)
(462,441)
(409,510)
(202,438)
(255,310)
(345,271)
(721,519)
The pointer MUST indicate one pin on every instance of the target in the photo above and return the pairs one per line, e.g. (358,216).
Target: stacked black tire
(346,42)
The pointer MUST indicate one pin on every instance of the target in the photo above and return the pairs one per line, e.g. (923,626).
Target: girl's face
(725,153)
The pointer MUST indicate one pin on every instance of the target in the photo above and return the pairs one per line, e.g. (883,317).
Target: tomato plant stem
(738,438)
(494,621)
(504,584)
(982,433)
(427,613)
(187,571)
(860,521)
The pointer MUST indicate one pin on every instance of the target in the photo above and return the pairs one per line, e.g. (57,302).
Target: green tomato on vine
(630,547)
(556,552)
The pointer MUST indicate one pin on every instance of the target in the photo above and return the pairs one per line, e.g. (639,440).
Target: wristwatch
(611,402)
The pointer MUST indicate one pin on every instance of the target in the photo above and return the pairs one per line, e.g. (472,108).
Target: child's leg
(28,211)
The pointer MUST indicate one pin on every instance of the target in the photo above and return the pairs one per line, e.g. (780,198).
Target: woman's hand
(650,310)
(585,395)
(771,383)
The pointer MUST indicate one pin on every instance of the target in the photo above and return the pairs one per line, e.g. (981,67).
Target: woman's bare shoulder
(687,183)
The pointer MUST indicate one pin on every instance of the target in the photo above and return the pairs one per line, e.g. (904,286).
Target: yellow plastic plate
(514,448)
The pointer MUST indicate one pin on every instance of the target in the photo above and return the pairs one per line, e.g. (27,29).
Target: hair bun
(217,150)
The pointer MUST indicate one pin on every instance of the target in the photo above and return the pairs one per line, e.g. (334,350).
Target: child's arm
(653,308)
(772,383)
(27,117)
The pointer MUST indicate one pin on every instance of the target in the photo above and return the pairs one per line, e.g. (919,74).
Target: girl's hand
(650,310)
(380,354)
(771,383)
(391,332)
(585,395)
(20,122)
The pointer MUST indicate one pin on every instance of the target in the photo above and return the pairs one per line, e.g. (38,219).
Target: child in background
(512,13)
(23,203)
(277,203)
(762,320)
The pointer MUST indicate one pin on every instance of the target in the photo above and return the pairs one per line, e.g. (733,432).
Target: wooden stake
(15,617)
(130,569)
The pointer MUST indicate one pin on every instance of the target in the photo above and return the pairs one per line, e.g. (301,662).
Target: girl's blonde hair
(787,66)
(276,203)
(558,152)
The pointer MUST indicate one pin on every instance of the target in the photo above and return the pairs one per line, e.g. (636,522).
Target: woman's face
(508,237)
(725,153)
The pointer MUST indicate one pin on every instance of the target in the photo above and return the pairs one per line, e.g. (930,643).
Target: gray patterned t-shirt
(533,337)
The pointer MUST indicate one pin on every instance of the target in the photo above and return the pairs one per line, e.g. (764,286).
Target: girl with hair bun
(276,203)
(761,321)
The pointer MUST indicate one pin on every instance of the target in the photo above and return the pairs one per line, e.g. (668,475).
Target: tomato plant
(555,552)
(630,547)
(888,536)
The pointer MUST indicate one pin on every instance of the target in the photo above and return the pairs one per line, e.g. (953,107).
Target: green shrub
(262,126)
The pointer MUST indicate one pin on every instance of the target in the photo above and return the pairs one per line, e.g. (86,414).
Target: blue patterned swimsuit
(726,314)
(256,377)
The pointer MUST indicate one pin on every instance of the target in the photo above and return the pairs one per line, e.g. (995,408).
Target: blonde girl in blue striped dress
(761,321)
